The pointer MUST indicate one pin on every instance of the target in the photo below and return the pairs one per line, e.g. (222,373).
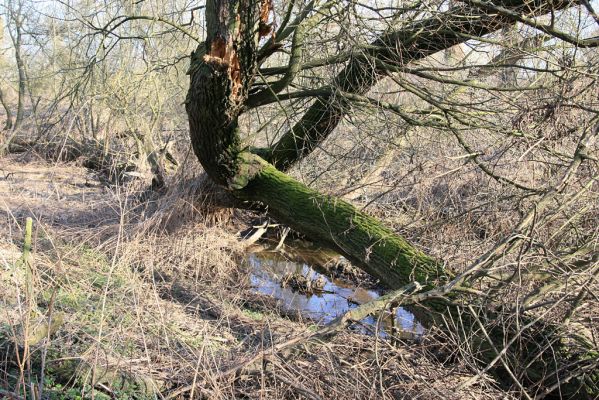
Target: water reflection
(336,298)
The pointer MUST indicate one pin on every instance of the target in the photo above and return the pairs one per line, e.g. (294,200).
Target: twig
(10,395)
(294,384)
(407,294)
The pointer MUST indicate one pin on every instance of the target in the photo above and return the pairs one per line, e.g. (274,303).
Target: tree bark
(397,48)
(8,123)
(221,72)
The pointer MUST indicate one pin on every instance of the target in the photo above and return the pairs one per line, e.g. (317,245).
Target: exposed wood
(220,80)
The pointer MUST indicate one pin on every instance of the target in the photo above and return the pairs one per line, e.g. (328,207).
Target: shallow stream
(337,296)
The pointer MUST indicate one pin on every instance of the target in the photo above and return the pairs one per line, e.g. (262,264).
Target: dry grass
(153,297)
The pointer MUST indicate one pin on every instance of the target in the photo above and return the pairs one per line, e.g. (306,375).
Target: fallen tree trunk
(526,351)
(516,348)
(362,239)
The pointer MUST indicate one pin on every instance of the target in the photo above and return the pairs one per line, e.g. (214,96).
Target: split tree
(229,77)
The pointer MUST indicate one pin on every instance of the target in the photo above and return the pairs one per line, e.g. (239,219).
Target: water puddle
(333,298)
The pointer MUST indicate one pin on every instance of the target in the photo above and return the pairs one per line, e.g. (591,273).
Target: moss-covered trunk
(362,239)
(537,354)
(221,72)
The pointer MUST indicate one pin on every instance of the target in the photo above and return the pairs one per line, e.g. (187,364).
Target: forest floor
(149,297)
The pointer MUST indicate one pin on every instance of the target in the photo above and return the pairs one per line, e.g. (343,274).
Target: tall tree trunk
(17,38)
(8,123)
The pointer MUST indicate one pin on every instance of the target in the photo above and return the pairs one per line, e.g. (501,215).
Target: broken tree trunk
(221,72)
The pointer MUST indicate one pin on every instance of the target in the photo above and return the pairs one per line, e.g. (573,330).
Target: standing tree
(15,16)
(229,76)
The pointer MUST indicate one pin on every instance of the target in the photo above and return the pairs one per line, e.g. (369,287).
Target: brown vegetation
(149,306)
(447,149)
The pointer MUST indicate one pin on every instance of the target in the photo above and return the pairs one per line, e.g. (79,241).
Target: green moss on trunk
(369,244)
(364,240)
